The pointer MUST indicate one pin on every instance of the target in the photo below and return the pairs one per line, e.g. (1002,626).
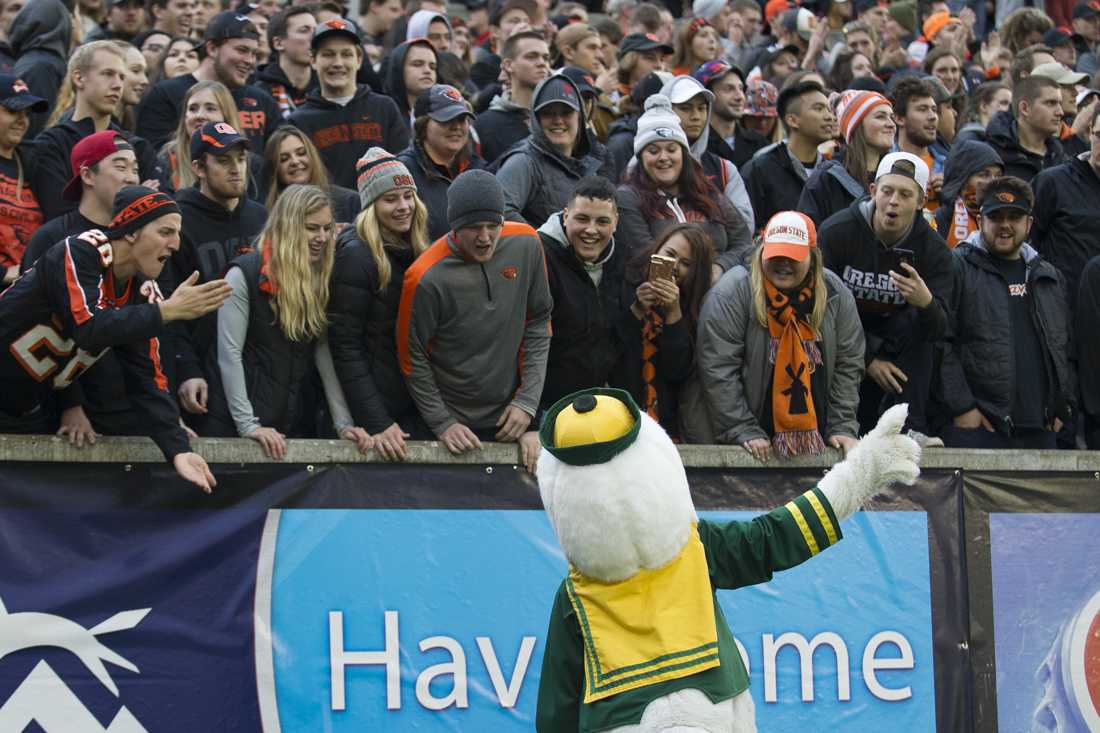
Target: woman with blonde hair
(205,101)
(290,157)
(272,332)
(371,260)
(780,349)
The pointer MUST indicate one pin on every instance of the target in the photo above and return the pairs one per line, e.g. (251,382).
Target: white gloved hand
(881,458)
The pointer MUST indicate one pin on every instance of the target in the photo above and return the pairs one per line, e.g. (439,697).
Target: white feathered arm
(882,457)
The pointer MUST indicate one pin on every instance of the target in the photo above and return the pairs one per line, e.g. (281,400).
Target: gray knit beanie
(378,172)
(474,196)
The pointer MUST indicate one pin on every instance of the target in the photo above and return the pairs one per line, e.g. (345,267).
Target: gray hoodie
(536,177)
(419,22)
(40,36)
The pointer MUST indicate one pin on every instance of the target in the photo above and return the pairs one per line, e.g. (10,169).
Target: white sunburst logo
(43,697)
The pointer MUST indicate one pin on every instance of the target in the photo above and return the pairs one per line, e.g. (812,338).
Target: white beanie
(707,8)
(659,123)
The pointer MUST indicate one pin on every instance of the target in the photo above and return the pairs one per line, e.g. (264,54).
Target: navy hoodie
(40,36)
(343,133)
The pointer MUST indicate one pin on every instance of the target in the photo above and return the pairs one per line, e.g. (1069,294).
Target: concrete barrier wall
(141,450)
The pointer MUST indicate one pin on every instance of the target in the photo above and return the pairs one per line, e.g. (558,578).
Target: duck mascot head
(637,642)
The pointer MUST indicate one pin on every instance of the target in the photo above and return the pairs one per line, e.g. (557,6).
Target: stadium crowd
(769,223)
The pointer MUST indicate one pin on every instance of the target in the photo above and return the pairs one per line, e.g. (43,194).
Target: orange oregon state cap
(789,234)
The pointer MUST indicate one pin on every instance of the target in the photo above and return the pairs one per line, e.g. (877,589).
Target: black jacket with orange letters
(64,313)
(342,133)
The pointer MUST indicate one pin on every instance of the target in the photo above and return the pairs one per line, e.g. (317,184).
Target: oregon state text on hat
(142,206)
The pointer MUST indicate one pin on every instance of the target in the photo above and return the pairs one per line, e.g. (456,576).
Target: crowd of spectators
(418,220)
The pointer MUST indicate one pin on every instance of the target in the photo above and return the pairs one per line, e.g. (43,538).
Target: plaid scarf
(793,413)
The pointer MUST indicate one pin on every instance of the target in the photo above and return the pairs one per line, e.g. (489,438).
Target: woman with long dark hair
(290,158)
(658,329)
(866,121)
(666,186)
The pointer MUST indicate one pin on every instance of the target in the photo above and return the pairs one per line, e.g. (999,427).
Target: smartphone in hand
(661,268)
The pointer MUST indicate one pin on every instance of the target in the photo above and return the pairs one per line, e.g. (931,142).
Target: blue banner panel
(1046,611)
(434,620)
(127,621)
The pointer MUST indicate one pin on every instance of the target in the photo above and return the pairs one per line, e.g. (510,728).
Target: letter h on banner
(339,658)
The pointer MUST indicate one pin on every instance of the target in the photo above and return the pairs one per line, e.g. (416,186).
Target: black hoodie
(40,36)
(394,85)
(1004,136)
(1087,320)
(343,133)
(536,177)
(1065,231)
(160,110)
(967,159)
(53,167)
(272,79)
(212,237)
(851,249)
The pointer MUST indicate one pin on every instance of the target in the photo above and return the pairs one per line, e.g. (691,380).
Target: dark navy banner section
(413,597)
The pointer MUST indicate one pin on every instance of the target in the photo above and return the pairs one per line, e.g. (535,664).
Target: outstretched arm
(746,553)
(882,457)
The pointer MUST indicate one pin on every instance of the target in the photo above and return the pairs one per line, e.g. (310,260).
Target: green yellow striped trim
(822,515)
(803,527)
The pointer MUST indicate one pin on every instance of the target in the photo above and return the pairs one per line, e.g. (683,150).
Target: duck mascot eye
(637,642)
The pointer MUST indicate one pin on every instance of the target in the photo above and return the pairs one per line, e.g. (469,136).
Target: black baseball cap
(498,9)
(1056,37)
(442,103)
(227,25)
(335,27)
(999,196)
(556,89)
(584,82)
(1090,9)
(15,95)
(642,42)
(217,138)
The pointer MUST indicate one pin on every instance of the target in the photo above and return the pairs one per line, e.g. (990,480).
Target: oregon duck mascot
(637,642)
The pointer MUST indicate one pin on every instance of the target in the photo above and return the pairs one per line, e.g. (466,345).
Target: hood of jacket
(394,83)
(581,145)
(42,24)
(554,228)
(686,87)
(967,158)
(419,22)
(272,73)
(975,242)
(503,103)
(209,208)
(627,124)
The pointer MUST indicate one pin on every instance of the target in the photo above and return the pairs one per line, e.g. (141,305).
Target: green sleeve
(747,553)
(562,681)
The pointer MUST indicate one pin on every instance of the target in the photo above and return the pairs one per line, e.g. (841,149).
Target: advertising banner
(1032,550)
(399,598)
